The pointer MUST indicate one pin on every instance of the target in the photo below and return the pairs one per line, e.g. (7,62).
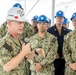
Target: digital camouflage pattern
(28,31)
(9,48)
(3,29)
(49,45)
(69,50)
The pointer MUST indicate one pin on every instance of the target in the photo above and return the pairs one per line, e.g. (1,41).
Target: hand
(26,48)
(41,51)
(73,66)
(30,55)
(57,56)
(38,67)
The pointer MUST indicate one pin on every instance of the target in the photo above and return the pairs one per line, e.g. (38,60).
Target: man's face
(34,23)
(74,22)
(16,27)
(42,26)
(59,20)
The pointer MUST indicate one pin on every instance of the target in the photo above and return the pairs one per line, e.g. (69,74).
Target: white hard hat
(15,13)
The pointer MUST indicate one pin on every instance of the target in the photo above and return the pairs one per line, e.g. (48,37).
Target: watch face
(27,40)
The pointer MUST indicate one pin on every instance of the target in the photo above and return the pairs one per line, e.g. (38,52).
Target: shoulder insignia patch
(54,40)
(9,48)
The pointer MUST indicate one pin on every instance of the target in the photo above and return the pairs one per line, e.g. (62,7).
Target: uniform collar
(37,36)
(55,28)
(17,42)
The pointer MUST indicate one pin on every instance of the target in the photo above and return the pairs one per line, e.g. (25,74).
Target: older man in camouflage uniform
(70,53)
(28,31)
(12,51)
(47,42)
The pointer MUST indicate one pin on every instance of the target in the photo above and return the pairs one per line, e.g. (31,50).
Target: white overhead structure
(52,12)
(50,3)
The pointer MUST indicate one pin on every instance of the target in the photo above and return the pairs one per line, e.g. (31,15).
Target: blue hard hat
(17,5)
(49,20)
(35,18)
(65,21)
(42,18)
(59,13)
(73,16)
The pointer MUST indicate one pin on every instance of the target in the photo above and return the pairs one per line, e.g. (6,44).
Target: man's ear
(8,23)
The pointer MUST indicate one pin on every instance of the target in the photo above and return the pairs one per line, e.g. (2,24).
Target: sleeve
(5,55)
(51,54)
(67,50)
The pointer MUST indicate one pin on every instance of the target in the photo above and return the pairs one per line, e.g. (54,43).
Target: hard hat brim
(33,20)
(72,18)
(16,20)
(59,16)
(42,21)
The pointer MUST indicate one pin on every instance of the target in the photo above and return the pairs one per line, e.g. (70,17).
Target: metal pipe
(53,10)
(25,6)
(32,7)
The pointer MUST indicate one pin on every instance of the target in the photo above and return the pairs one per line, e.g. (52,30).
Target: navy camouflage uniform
(9,48)
(70,52)
(49,44)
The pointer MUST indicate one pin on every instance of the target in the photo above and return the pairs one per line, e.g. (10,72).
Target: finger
(43,53)
(28,47)
(40,69)
(23,44)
